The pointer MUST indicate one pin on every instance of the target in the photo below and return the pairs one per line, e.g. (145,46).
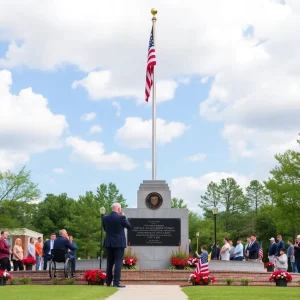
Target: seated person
(63,242)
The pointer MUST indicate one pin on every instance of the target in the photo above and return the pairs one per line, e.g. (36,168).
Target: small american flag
(260,253)
(150,66)
(202,265)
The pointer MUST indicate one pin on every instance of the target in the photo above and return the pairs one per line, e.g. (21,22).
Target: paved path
(149,292)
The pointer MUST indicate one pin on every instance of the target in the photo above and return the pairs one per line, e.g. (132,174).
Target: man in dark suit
(63,242)
(48,246)
(280,244)
(253,249)
(115,243)
(272,250)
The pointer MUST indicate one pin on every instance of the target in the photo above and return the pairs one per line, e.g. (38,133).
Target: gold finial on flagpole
(153,12)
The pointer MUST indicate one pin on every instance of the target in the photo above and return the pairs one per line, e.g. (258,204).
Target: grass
(38,292)
(238,292)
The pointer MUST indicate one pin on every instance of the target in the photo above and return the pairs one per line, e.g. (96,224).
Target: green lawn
(243,293)
(71,292)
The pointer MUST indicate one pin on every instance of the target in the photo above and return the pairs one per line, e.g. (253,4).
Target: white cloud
(185,80)
(137,133)
(88,116)
(52,181)
(204,79)
(191,188)
(93,153)
(102,85)
(118,108)
(148,164)
(197,157)
(95,129)
(27,125)
(59,170)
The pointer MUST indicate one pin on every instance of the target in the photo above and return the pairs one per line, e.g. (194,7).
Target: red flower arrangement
(6,275)
(192,262)
(269,265)
(94,277)
(281,275)
(130,259)
(28,261)
(201,279)
(179,259)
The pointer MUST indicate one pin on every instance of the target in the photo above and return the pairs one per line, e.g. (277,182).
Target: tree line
(263,208)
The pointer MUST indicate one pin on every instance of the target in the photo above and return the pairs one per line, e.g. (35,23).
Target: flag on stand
(202,265)
(151,62)
(260,253)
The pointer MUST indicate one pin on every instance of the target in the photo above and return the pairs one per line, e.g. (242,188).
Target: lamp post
(102,212)
(197,237)
(215,212)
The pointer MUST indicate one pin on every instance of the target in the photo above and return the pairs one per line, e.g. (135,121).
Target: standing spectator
(231,250)
(215,253)
(272,250)
(190,247)
(48,246)
(291,256)
(297,252)
(281,261)
(5,252)
(247,248)
(253,249)
(280,244)
(115,243)
(225,250)
(18,255)
(239,250)
(38,252)
(72,255)
(31,248)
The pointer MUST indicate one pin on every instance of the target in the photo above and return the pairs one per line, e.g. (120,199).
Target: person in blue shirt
(280,244)
(239,250)
(72,256)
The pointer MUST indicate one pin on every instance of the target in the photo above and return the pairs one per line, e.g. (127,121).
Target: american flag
(202,265)
(260,253)
(150,66)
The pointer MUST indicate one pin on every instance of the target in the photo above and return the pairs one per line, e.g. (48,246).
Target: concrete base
(231,265)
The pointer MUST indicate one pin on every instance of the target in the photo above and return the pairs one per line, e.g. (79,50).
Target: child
(202,266)
(281,261)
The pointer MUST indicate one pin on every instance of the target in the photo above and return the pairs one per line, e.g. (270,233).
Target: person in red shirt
(5,252)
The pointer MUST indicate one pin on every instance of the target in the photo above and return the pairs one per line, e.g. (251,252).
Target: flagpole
(154,12)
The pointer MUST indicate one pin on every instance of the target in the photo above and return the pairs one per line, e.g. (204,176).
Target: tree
(211,197)
(178,203)
(107,195)
(18,186)
(284,188)
(54,213)
(256,195)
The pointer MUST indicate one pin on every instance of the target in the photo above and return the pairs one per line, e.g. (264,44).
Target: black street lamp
(102,212)
(215,212)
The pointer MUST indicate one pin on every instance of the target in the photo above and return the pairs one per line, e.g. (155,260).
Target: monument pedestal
(153,238)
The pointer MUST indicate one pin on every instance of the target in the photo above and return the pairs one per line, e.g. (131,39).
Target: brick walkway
(149,292)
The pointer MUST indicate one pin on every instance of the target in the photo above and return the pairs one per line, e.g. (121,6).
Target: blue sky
(226,102)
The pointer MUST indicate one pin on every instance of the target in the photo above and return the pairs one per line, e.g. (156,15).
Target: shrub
(245,281)
(70,281)
(229,281)
(25,280)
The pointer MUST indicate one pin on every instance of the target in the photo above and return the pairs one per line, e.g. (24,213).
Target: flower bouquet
(179,259)
(281,278)
(129,260)
(4,276)
(270,266)
(28,261)
(201,279)
(94,277)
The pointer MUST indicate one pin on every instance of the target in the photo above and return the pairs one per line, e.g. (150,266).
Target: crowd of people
(39,251)
(278,254)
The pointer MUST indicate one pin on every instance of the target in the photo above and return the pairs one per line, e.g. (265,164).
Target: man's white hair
(62,231)
(115,206)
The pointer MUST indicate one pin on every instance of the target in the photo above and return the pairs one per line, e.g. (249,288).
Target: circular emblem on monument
(154,200)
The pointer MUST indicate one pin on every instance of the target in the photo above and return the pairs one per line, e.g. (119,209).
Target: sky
(72,78)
